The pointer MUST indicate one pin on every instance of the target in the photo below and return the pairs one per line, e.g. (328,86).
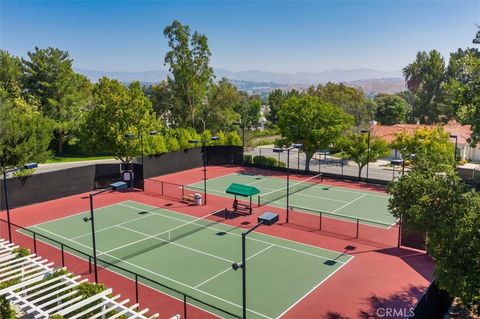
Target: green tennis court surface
(195,256)
(365,205)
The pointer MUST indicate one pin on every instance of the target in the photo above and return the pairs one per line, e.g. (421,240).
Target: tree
(10,74)
(312,122)
(249,112)
(463,87)
(432,147)
(116,111)
(442,206)
(62,93)
(24,133)
(274,101)
(220,111)
(391,109)
(355,147)
(188,62)
(425,77)
(351,100)
(162,100)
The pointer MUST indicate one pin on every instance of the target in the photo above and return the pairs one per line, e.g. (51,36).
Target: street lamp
(116,187)
(204,150)
(5,172)
(280,150)
(267,219)
(368,154)
(455,150)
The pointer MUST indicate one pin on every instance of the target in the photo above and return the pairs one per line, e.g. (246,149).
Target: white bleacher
(35,297)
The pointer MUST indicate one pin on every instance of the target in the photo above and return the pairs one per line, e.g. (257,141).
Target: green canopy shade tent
(244,191)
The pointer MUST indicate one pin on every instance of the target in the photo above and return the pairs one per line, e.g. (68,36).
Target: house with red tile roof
(462,132)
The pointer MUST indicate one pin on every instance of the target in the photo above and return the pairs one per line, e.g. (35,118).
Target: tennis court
(310,196)
(195,255)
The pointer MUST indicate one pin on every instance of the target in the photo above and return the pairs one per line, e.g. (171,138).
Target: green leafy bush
(248,159)
(21,252)
(267,161)
(6,310)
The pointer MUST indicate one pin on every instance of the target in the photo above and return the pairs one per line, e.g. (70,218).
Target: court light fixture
(266,219)
(117,186)
(5,190)
(204,157)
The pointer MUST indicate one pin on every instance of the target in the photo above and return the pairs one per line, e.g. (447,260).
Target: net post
(162,187)
(358,225)
(183,190)
(63,255)
(185,306)
(136,288)
(226,213)
(89,264)
(35,243)
(320,222)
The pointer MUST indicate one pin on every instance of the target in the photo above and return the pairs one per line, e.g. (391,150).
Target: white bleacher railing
(35,294)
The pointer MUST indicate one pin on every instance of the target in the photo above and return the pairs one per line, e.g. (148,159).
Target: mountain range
(255,81)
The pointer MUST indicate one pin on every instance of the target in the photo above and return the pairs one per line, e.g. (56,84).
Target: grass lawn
(76,158)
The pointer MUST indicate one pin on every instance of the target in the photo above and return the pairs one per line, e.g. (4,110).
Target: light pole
(204,150)
(116,187)
(368,151)
(5,172)
(267,219)
(455,150)
(242,126)
(131,136)
(280,150)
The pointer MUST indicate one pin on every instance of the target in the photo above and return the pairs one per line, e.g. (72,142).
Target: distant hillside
(261,83)
(375,86)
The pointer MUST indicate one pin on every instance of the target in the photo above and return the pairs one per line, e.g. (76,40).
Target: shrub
(267,161)
(21,252)
(248,159)
(6,310)
(233,138)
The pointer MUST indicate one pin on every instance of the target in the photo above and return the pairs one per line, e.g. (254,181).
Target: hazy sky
(279,36)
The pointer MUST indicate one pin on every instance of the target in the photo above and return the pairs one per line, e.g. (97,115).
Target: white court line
(84,212)
(275,189)
(306,195)
(124,276)
(349,203)
(248,238)
(178,245)
(109,227)
(233,234)
(230,268)
(158,234)
(315,287)
(160,275)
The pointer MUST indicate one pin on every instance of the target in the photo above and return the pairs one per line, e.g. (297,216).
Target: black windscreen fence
(433,304)
(44,186)
(41,187)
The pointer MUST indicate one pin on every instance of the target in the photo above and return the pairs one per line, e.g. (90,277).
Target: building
(465,151)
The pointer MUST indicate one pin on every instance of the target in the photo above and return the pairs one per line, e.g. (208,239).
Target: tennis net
(152,242)
(267,198)
(178,192)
